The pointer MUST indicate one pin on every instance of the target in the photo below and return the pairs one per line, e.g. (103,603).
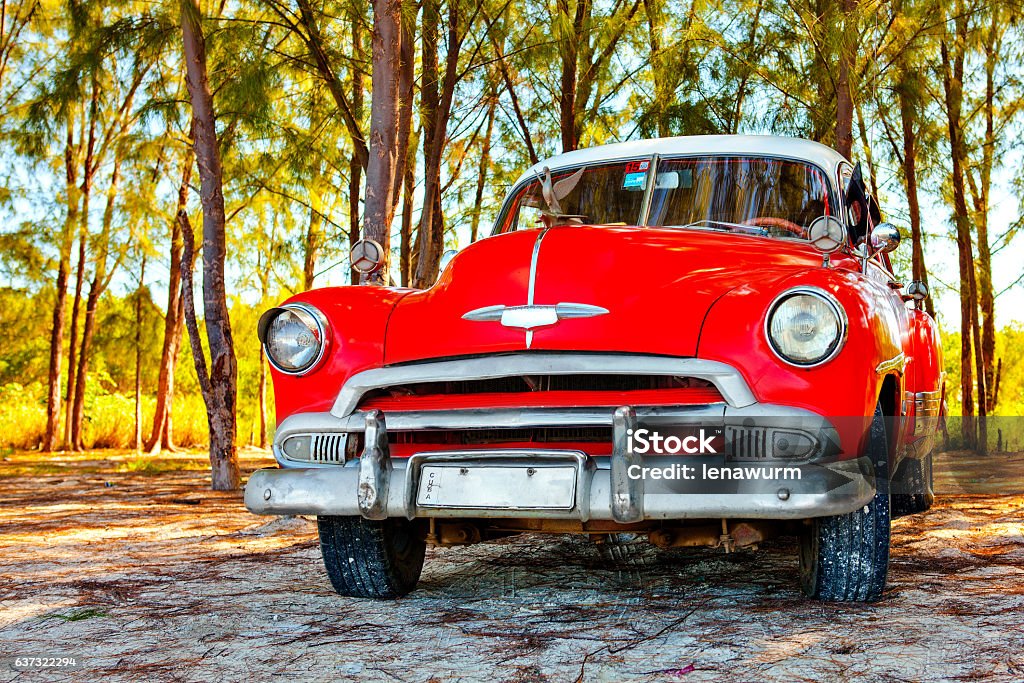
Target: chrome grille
(328,448)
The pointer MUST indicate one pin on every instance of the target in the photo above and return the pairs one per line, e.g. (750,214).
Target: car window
(763,196)
(606,194)
(776,197)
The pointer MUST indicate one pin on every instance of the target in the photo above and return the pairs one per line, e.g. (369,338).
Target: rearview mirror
(667,181)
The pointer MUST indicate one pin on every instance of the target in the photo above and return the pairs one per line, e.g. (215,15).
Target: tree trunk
(263,401)
(160,437)
(569,48)
(844,84)
(138,355)
(986,297)
(53,405)
(355,166)
(219,388)
(314,238)
(908,121)
(88,170)
(741,92)
(405,248)
(869,159)
(380,171)
(430,238)
(406,81)
(76,305)
(99,283)
(430,95)
(953,88)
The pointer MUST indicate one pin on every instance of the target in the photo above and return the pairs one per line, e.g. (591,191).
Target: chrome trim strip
(727,379)
(533,267)
(530,316)
(828,298)
(897,362)
(531,287)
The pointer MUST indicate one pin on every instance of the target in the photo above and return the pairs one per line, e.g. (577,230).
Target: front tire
(846,557)
(371,559)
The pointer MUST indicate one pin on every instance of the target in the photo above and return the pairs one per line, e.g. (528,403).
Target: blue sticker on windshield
(635,181)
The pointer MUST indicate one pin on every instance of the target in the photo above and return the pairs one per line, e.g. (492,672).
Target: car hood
(630,290)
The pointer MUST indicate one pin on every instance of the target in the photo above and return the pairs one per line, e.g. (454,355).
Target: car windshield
(763,196)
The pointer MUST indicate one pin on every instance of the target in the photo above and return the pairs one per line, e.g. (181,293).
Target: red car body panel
(429,324)
(357,318)
(673,292)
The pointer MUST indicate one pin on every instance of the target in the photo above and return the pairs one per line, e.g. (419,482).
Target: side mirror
(918,291)
(885,237)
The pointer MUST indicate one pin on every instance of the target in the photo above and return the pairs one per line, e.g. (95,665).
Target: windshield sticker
(636,175)
(635,181)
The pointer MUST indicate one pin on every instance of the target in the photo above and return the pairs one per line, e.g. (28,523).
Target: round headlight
(294,338)
(806,327)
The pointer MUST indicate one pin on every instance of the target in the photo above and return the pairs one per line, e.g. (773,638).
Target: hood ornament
(532,316)
(554,192)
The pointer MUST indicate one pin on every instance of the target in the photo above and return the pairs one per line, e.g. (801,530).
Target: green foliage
(647,68)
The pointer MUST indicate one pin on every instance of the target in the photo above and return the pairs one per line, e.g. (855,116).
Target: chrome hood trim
(727,379)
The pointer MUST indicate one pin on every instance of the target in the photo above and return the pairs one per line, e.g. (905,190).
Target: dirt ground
(138,570)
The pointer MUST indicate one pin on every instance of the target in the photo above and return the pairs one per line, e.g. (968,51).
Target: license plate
(497,488)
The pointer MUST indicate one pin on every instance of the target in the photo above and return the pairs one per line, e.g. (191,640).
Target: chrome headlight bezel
(322,333)
(837,309)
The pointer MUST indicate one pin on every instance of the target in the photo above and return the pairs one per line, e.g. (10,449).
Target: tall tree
(218,383)
(162,435)
(71,196)
(386,45)
(953,52)
(845,87)
(102,275)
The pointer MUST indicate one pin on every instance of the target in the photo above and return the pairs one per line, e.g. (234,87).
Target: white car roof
(731,145)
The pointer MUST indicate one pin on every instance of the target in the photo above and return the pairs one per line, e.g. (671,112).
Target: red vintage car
(693,341)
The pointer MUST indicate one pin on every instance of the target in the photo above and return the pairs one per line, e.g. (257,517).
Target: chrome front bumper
(377,486)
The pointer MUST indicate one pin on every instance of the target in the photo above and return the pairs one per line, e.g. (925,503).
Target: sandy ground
(143,574)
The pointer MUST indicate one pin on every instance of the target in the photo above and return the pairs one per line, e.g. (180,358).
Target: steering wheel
(773,222)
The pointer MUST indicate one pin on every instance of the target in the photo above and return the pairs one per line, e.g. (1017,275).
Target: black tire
(624,550)
(370,559)
(912,487)
(846,557)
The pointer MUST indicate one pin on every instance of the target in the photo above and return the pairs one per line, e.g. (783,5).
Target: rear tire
(371,559)
(846,557)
